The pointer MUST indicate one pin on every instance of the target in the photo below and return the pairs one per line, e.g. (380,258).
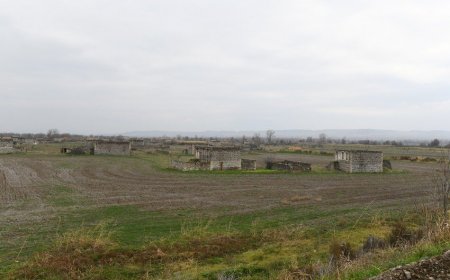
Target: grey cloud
(112,66)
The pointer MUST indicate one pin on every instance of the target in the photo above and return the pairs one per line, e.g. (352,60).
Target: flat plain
(140,201)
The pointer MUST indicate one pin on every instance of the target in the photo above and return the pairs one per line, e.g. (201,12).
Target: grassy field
(138,219)
(388,150)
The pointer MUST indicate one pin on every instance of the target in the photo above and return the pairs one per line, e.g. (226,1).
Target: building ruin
(219,158)
(288,165)
(7,145)
(358,161)
(117,148)
(216,158)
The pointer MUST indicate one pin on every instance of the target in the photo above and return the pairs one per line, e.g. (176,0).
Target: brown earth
(134,181)
(28,183)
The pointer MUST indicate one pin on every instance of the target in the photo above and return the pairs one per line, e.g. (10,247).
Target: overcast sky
(114,66)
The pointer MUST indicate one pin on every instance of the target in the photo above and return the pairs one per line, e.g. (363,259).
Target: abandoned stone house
(219,158)
(216,158)
(30,141)
(137,143)
(359,161)
(118,148)
(7,145)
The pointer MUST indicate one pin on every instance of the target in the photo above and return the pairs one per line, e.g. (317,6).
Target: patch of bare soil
(436,268)
(126,181)
(16,181)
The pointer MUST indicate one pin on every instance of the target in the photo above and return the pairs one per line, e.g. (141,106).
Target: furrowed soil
(44,195)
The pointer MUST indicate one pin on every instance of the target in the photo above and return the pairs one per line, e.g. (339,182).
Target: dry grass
(77,253)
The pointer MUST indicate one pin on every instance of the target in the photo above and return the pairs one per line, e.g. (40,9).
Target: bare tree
(434,143)
(322,138)
(52,132)
(256,139)
(269,135)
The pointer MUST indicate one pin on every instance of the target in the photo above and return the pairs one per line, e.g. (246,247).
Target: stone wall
(248,164)
(219,158)
(190,165)
(291,166)
(225,165)
(112,148)
(7,147)
(223,154)
(137,143)
(203,154)
(360,161)
(225,159)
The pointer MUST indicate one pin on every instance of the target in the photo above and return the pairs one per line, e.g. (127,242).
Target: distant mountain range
(350,134)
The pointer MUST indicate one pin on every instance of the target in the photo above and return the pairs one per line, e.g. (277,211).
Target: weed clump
(372,243)
(341,251)
(72,255)
(401,235)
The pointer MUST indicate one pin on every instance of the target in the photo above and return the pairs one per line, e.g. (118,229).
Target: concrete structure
(215,158)
(117,148)
(359,161)
(191,165)
(30,141)
(219,158)
(137,143)
(7,145)
(294,166)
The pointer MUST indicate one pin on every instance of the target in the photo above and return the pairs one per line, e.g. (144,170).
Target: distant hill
(350,134)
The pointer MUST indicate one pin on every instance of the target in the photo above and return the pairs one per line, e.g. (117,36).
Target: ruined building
(216,158)
(7,145)
(287,165)
(359,161)
(219,158)
(117,148)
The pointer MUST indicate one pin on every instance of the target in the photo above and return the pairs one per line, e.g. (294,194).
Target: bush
(373,243)
(429,159)
(401,234)
(341,251)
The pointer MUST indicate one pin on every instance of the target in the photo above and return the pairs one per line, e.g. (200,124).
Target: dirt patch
(129,181)
(16,181)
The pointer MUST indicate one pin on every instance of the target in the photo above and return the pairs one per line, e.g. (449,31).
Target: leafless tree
(434,143)
(322,138)
(269,135)
(52,132)
(256,139)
